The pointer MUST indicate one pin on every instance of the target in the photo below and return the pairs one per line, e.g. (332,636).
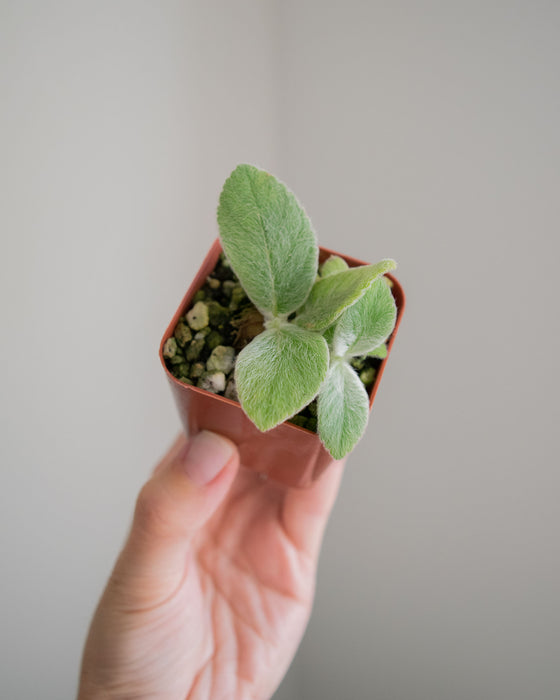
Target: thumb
(185,490)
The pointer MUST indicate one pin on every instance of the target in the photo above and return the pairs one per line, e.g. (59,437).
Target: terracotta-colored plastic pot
(287,454)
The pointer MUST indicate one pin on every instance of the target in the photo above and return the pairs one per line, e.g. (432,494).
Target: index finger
(305,512)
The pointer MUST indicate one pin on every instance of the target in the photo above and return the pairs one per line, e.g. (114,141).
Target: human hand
(212,592)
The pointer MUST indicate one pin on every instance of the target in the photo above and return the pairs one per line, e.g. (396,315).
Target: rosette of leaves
(314,324)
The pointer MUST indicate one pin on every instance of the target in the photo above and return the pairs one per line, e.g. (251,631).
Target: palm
(232,625)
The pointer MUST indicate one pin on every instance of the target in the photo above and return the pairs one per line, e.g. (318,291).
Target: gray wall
(423,131)
(429,131)
(119,123)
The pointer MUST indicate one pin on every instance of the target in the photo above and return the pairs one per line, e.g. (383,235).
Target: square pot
(288,454)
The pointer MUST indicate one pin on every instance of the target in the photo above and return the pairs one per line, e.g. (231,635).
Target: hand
(212,592)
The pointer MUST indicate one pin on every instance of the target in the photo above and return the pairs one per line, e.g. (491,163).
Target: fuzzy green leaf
(368,323)
(331,295)
(342,410)
(380,353)
(279,373)
(268,240)
(333,266)
(328,335)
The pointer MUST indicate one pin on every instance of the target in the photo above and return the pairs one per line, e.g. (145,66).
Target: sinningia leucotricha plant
(314,325)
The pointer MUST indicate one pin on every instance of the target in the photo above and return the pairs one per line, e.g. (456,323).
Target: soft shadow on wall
(428,132)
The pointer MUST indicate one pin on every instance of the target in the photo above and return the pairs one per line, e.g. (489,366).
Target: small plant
(315,321)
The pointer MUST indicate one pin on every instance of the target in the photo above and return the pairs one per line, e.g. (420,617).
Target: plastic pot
(288,454)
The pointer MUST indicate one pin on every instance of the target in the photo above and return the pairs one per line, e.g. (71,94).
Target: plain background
(423,131)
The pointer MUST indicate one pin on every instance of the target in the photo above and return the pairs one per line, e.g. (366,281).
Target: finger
(305,512)
(185,490)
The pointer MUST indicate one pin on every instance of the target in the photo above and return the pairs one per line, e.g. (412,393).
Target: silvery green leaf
(380,353)
(279,373)
(332,266)
(342,410)
(331,295)
(328,335)
(368,323)
(268,240)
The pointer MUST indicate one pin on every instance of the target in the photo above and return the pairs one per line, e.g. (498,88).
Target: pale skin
(213,590)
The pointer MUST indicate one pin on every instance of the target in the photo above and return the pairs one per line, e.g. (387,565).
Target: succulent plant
(316,321)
